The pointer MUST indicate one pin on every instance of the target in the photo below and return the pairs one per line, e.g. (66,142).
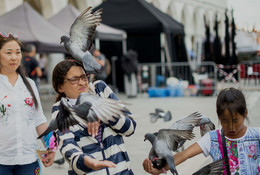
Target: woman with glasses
(98,148)
(21,115)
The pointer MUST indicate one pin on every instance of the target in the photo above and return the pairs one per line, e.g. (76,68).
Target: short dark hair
(231,99)
(28,48)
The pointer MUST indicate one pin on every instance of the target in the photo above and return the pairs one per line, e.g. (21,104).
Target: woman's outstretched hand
(96,164)
(148,167)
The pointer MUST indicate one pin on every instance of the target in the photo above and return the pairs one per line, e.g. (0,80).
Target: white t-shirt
(18,121)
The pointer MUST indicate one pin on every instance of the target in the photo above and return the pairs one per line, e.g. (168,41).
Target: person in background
(129,64)
(242,142)
(105,66)
(43,65)
(21,115)
(30,63)
(97,148)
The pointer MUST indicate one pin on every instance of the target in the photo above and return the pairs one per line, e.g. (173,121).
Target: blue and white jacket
(77,143)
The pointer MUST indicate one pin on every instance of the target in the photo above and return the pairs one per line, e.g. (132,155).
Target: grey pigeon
(214,168)
(205,125)
(88,108)
(80,40)
(167,140)
(159,113)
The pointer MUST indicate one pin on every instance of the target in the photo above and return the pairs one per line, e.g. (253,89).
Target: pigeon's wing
(214,168)
(171,136)
(52,127)
(83,28)
(105,109)
(189,121)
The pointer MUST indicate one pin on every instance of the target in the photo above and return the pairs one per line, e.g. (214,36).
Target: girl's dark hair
(233,100)
(20,70)
(59,73)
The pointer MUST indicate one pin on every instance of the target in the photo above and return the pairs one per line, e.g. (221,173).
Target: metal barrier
(249,70)
(156,74)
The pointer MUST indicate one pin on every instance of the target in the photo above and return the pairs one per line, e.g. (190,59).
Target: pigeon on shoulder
(81,37)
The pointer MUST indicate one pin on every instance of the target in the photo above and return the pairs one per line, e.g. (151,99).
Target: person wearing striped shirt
(97,148)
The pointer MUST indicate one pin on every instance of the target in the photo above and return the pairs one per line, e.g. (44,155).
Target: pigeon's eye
(76,80)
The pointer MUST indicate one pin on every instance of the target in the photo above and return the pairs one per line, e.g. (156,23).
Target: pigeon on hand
(159,113)
(88,108)
(167,140)
(80,39)
(216,168)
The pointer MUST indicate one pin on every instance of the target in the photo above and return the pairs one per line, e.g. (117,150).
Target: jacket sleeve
(126,124)
(69,148)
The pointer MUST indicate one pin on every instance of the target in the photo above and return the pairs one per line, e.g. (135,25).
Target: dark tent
(144,24)
(32,28)
(147,28)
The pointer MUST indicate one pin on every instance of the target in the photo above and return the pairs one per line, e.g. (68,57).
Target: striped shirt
(77,143)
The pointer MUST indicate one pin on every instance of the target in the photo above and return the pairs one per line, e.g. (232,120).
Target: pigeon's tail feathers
(170,161)
(90,65)
(52,127)
(214,168)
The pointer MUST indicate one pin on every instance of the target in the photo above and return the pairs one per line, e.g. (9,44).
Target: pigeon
(159,113)
(167,140)
(60,161)
(205,125)
(214,168)
(80,40)
(88,108)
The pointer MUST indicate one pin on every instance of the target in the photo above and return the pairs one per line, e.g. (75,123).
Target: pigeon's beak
(61,41)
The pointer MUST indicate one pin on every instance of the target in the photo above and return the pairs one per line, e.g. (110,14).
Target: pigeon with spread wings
(80,39)
(167,140)
(88,108)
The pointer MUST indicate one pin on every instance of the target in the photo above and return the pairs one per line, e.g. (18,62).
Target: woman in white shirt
(21,115)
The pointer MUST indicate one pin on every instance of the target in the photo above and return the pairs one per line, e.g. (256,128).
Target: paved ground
(179,107)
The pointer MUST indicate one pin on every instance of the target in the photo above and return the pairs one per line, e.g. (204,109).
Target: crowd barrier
(177,79)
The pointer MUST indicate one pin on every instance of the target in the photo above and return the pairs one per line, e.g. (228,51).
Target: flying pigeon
(159,113)
(167,140)
(88,108)
(216,168)
(80,40)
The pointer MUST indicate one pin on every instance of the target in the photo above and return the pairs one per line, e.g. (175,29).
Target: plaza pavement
(179,107)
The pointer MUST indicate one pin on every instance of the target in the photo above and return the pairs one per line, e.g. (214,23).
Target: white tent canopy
(64,19)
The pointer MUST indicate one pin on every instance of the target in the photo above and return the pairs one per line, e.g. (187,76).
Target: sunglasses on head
(7,35)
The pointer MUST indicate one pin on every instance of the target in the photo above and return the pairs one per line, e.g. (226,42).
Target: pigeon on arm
(167,140)
(80,40)
(88,108)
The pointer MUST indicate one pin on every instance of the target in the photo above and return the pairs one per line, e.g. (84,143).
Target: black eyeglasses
(75,80)
(7,35)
